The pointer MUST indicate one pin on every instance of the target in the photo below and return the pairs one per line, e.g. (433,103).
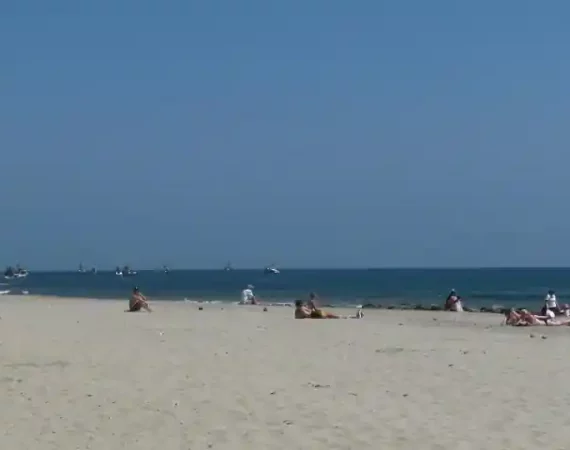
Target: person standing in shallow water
(138,301)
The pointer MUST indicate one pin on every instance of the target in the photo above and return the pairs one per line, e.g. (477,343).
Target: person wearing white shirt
(550,303)
(247,296)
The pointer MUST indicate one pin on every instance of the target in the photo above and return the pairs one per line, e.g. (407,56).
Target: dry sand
(82,374)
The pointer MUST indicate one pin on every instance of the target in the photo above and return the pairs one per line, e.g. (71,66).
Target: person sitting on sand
(138,301)
(302,311)
(453,302)
(247,296)
(310,312)
(313,299)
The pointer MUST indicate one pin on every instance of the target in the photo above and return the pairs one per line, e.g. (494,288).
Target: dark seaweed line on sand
(497,309)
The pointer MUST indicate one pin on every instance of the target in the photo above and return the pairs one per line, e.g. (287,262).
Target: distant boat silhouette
(82,269)
(11,273)
(271,270)
(126,271)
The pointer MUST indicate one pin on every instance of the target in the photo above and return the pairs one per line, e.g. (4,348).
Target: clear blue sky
(307,133)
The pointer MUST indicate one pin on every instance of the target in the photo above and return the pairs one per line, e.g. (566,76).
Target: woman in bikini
(317,313)
(310,312)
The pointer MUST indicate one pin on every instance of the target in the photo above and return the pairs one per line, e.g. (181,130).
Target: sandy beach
(83,374)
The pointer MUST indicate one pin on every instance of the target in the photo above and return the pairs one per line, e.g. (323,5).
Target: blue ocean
(479,287)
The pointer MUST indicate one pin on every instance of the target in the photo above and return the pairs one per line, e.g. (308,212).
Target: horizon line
(379,268)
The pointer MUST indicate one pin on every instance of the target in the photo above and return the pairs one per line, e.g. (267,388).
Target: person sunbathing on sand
(138,301)
(310,312)
(317,313)
(550,319)
(512,318)
(528,318)
(524,318)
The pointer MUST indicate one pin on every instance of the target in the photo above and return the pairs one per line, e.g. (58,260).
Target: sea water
(479,287)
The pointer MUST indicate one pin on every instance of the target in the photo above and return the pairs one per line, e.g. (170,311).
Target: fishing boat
(126,271)
(271,270)
(10,273)
(83,270)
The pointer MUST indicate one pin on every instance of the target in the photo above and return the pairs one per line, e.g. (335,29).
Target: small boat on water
(82,269)
(126,271)
(166,270)
(228,267)
(10,273)
(271,270)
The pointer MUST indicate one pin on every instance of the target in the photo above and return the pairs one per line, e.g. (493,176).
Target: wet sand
(81,373)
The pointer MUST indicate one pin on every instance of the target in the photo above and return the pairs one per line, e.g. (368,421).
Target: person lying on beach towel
(306,312)
(138,301)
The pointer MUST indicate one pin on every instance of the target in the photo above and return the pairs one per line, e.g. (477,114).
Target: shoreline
(494,309)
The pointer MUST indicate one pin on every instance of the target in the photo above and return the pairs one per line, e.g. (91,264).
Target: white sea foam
(262,304)
(206,302)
